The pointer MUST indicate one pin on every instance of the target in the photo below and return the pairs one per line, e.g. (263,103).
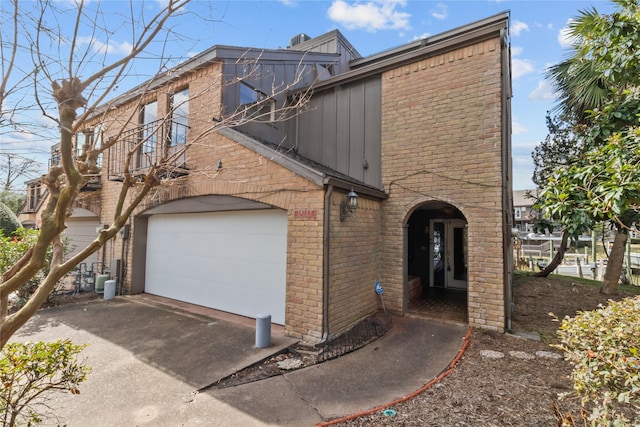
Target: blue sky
(537,41)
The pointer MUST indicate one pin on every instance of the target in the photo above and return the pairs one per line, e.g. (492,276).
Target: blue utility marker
(378,288)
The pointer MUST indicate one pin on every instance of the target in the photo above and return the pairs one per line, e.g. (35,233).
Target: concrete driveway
(149,360)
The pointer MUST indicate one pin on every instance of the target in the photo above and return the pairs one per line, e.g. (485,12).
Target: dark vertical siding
(269,78)
(309,129)
(341,129)
(356,131)
(373,131)
(332,42)
(328,139)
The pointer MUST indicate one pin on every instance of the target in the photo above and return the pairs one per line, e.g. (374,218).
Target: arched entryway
(437,262)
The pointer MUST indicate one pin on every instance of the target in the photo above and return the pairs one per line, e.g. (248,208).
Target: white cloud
(564,37)
(440,11)
(371,16)
(420,37)
(106,48)
(518,27)
(516,50)
(520,67)
(517,128)
(542,92)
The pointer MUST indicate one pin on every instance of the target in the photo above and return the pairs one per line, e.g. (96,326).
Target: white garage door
(230,261)
(80,232)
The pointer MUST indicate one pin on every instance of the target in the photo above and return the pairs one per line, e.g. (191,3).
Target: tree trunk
(557,258)
(614,264)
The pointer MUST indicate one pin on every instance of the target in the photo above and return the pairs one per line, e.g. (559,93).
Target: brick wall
(354,263)
(441,140)
(244,174)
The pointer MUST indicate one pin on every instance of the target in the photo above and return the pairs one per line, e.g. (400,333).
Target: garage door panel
(231,261)
(80,232)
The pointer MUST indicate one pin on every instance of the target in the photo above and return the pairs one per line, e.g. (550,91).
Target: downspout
(507,186)
(325,264)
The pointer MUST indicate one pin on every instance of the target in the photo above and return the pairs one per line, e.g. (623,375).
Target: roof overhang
(315,176)
(215,54)
(494,26)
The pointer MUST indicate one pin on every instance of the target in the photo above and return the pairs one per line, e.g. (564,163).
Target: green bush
(603,346)
(29,372)
(13,200)
(12,249)
(8,220)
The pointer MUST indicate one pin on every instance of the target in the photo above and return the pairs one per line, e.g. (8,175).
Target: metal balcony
(155,143)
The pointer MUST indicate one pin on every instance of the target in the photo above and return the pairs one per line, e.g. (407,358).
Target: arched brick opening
(437,262)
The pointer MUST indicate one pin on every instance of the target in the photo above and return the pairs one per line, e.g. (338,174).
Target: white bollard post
(109,289)
(263,330)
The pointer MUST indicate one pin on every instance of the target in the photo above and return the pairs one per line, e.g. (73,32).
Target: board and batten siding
(340,128)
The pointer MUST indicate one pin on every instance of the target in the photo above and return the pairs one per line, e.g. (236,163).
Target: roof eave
(462,36)
(217,53)
(283,160)
(315,176)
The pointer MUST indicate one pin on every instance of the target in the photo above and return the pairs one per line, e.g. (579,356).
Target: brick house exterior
(461,168)
(421,133)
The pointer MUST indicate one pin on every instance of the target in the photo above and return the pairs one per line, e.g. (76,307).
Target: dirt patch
(61,297)
(69,297)
(536,297)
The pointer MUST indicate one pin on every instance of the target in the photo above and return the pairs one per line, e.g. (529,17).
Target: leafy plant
(8,220)
(12,200)
(603,346)
(31,371)
(12,249)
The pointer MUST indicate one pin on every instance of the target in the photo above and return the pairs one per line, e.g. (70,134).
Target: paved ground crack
(299,395)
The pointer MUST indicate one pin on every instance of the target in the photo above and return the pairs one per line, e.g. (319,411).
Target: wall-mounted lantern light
(349,205)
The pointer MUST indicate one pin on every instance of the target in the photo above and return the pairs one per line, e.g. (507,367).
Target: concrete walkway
(149,360)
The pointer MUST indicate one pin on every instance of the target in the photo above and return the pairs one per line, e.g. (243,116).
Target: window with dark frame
(256,104)
(89,139)
(148,133)
(35,191)
(179,126)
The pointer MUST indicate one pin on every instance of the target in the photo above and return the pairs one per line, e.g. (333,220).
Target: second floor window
(148,133)
(179,104)
(33,196)
(91,139)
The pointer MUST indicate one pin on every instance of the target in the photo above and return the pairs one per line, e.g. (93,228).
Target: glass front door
(448,253)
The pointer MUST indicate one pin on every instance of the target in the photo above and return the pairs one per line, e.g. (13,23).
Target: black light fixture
(349,205)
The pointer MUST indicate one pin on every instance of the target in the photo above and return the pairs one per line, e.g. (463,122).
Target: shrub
(12,249)
(8,220)
(13,201)
(29,372)
(603,346)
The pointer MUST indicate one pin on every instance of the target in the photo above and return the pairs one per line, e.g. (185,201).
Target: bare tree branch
(79,111)
(6,73)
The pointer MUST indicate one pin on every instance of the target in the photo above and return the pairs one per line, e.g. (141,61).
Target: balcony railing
(158,142)
(35,197)
(93,182)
